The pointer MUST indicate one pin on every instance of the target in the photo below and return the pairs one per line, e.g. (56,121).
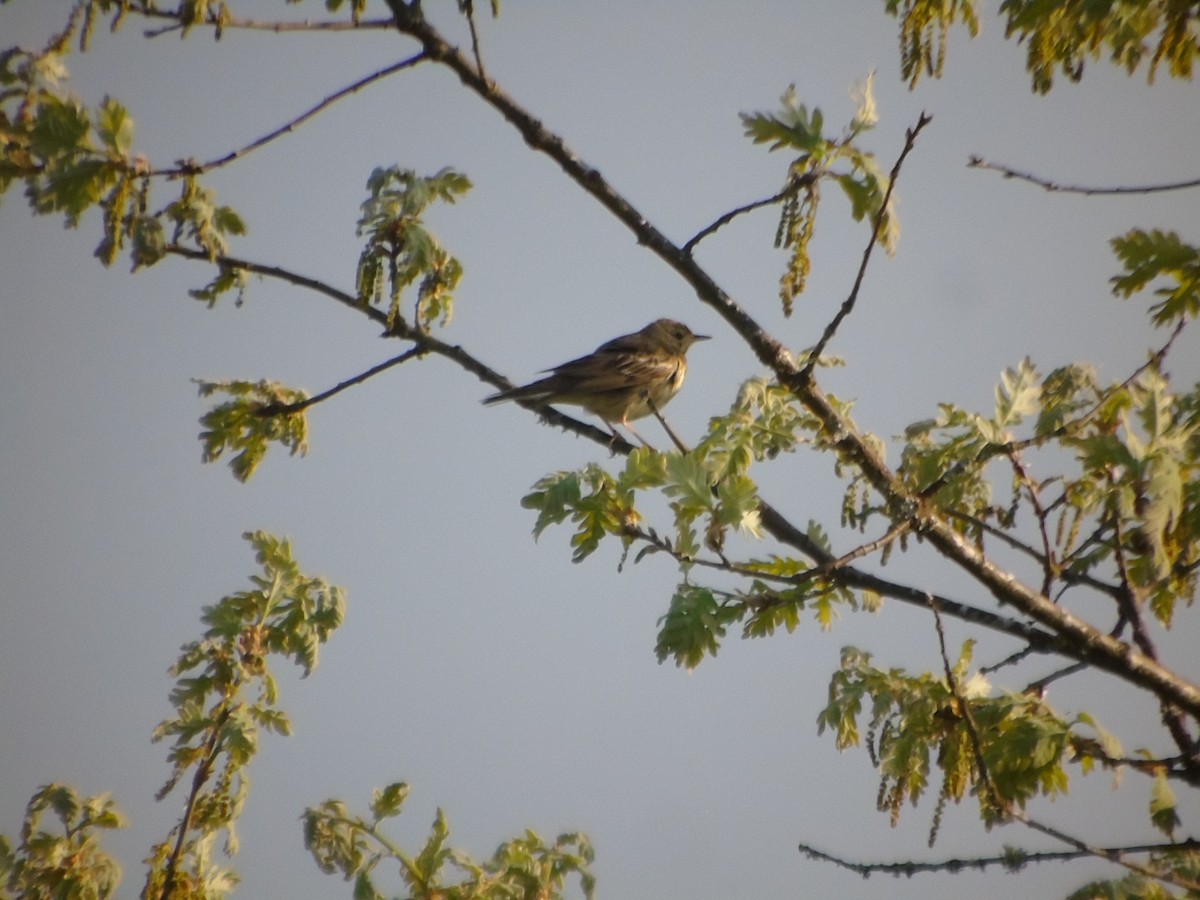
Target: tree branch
(214,21)
(1011,859)
(212,748)
(789,189)
(194,168)
(814,355)
(284,409)
(977,162)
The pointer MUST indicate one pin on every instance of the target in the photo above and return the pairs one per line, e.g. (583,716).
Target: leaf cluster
(258,413)
(924,26)
(1004,748)
(224,693)
(72,159)
(357,847)
(66,862)
(1151,256)
(399,249)
(817,157)
(1058,36)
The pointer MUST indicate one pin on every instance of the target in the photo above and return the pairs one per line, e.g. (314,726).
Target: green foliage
(66,864)
(793,128)
(1132,502)
(356,846)
(224,693)
(1182,864)
(400,249)
(693,626)
(916,723)
(1157,254)
(764,421)
(198,219)
(924,25)
(1062,35)
(71,160)
(259,413)
(1058,35)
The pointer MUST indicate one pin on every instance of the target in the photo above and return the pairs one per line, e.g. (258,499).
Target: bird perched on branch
(627,378)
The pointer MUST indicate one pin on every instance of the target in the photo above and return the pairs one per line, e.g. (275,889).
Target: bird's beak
(701,337)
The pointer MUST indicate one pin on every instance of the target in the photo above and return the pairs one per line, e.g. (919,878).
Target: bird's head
(671,336)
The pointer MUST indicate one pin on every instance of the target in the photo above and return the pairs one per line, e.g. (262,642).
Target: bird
(625,378)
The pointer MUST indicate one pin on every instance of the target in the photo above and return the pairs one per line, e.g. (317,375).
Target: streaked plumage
(616,381)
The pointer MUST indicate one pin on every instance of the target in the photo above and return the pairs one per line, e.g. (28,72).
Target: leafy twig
(212,749)
(789,189)
(814,355)
(1000,809)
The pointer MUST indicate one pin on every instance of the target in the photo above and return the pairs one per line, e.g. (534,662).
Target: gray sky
(507,685)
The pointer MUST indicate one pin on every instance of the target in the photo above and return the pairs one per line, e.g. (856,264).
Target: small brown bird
(620,380)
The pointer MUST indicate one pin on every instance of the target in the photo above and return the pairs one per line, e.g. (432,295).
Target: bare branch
(977,162)
(285,409)
(1113,856)
(1011,860)
(814,355)
(290,25)
(194,168)
(467,8)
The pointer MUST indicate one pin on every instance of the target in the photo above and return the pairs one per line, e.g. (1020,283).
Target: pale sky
(505,684)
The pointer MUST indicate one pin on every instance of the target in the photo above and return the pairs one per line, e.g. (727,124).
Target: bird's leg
(682,447)
(641,439)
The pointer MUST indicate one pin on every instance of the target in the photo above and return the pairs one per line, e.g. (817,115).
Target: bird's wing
(615,366)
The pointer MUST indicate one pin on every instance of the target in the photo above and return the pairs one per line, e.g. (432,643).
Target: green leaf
(791,127)
(387,802)
(1017,395)
(261,412)
(60,129)
(689,484)
(114,127)
(1151,255)
(1163,814)
(693,626)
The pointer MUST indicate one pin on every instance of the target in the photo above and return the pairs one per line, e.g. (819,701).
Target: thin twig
(977,162)
(1011,860)
(679,445)
(828,568)
(789,189)
(285,409)
(214,21)
(194,168)
(1039,686)
(999,808)
(467,7)
(990,451)
(1113,856)
(814,355)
